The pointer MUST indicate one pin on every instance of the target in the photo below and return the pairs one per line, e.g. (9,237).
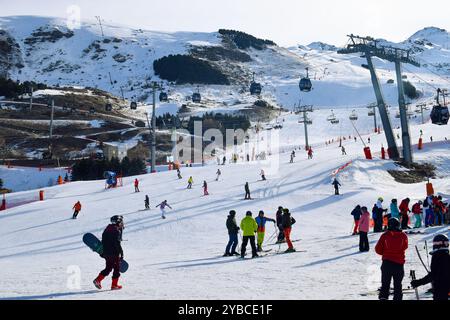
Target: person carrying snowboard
(404,209)
(392,247)
(356,213)
(205,188)
(233,231)
(247,192)
(261,221)
(249,227)
(136,185)
(279,217)
(162,206)
(147,202)
(364,226)
(76,209)
(417,211)
(288,222)
(190,182)
(219,173)
(112,252)
(439,275)
(336,185)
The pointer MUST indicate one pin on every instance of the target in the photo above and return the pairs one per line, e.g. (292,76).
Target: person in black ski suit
(336,185)
(279,218)
(147,202)
(247,192)
(233,231)
(440,269)
(112,252)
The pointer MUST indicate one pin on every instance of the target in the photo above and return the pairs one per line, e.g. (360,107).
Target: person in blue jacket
(395,213)
(261,221)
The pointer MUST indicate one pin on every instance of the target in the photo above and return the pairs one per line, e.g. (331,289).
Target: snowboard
(96,245)
(414,232)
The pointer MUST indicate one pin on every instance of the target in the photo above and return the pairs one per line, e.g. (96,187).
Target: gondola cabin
(108,107)
(196,97)
(255,88)
(133,106)
(163,97)
(439,115)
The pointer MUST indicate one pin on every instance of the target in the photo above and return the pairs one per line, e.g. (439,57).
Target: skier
(438,210)
(162,206)
(247,192)
(356,213)
(218,161)
(190,182)
(179,174)
(77,209)
(136,185)
(292,159)
(310,153)
(147,202)
(336,185)
(417,211)
(439,276)
(219,173)
(344,153)
(378,215)
(395,213)
(368,140)
(249,228)
(263,175)
(224,160)
(364,226)
(261,220)
(66,178)
(288,222)
(279,217)
(404,209)
(205,189)
(392,247)
(233,230)
(429,211)
(112,252)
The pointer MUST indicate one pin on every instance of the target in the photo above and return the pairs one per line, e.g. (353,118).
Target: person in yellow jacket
(249,227)
(190,182)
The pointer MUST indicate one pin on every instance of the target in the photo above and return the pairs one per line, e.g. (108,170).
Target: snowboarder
(417,211)
(263,175)
(77,209)
(249,228)
(112,252)
(233,231)
(261,220)
(288,222)
(190,182)
(179,174)
(224,160)
(279,217)
(247,192)
(404,209)
(136,185)
(364,226)
(310,153)
(439,276)
(205,189)
(392,247)
(292,159)
(395,213)
(356,213)
(336,185)
(219,173)
(147,202)
(344,153)
(248,158)
(162,206)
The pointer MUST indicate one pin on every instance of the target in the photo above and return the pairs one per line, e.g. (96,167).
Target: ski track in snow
(180,258)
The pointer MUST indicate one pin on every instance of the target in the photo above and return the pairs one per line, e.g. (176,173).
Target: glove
(415,283)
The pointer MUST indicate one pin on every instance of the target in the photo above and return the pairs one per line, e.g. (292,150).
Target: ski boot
(235,254)
(115,285)
(227,255)
(290,250)
(98,281)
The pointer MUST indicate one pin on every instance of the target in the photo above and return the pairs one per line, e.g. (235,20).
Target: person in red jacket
(136,185)
(404,209)
(77,209)
(392,247)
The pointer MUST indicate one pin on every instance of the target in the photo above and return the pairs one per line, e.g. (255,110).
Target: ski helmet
(440,242)
(117,219)
(232,213)
(380,199)
(249,213)
(261,213)
(393,224)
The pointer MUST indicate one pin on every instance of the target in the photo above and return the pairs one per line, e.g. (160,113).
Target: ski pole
(412,274)
(428,258)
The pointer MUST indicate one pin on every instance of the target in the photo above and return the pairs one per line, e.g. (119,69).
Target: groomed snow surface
(42,254)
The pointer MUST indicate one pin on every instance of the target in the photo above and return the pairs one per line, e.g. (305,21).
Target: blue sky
(287,22)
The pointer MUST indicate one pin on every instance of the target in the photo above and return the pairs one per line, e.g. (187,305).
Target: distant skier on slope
(439,275)
(112,252)
(263,175)
(336,185)
(190,182)
(247,192)
(261,221)
(136,185)
(179,174)
(162,206)
(288,222)
(310,153)
(392,247)
(233,231)
(249,228)
(147,202)
(219,173)
(77,209)
(344,153)
(205,188)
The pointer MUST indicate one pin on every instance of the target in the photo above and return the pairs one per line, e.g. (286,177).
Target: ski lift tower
(305,121)
(371,48)
(155,87)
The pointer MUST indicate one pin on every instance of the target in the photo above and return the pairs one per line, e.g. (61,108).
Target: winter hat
(440,243)
(249,213)
(286,211)
(232,213)
(393,224)
(261,213)
(364,209)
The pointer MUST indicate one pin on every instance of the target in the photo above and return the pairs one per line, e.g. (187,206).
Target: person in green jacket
(249,227)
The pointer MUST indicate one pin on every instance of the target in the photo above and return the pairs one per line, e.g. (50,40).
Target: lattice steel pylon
(372,48)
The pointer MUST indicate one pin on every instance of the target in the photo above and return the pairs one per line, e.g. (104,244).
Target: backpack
(425,203)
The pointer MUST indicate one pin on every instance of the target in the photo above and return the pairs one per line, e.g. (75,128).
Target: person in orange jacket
(392,247)
(77,209)
(136,185)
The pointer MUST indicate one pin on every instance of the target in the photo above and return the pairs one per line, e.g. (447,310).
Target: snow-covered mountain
(121,62)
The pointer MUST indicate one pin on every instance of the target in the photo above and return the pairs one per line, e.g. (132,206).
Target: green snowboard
(96,245)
